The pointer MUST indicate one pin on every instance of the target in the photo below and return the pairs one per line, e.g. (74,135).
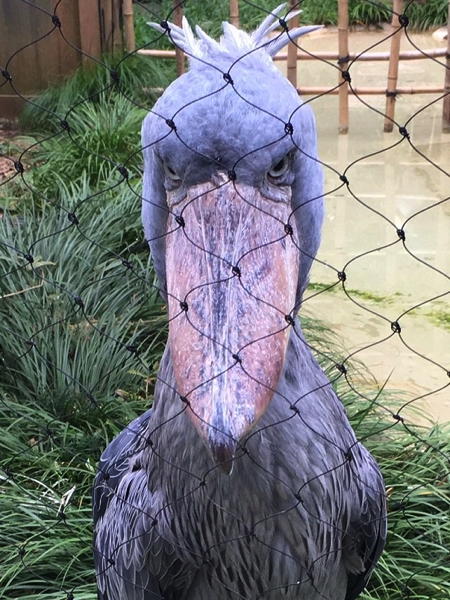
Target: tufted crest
(235,42)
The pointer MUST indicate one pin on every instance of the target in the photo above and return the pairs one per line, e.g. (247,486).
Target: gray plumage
(302,513)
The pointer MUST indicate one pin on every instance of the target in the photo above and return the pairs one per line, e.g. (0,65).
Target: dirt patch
(8,131)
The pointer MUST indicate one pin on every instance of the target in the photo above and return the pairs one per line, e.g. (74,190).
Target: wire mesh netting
(245,480)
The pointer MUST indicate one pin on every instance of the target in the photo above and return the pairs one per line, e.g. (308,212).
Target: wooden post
(343,64)
(234,12)
(128,19)
(292,48)
(446,109)
(178,20)
(391,92)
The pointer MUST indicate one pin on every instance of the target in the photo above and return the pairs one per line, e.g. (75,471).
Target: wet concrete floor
(396,187)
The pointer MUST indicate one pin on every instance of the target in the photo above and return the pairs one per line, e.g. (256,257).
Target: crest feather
(234,42)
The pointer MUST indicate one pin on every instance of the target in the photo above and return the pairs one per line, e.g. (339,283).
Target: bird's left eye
(171,173)
(279,169)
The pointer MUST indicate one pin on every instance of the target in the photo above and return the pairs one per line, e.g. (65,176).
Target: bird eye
(279,168)
(171,174)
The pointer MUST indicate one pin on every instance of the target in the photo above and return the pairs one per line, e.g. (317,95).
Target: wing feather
(365,538)
(122,524)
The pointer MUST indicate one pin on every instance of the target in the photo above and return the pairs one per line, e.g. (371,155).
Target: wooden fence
(94,26)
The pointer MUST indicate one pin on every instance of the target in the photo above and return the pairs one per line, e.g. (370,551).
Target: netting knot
(184,306)
(19,166)
(288,128)
(29,258)
(346,76)
(170,123)
(6,75)
(232,175)
(21,552)
(310,573)
(78,301)
(342,276)
(395,326)
(236,271)
(341,368)
(289,320)
(106,476)
(184,400)
(154,523)
(30,343)
(127,264)
(114,75)
(165,25)
(73,218)
(344,179)
(398,418)
(404,132)
(70,596)
(294,409)
(56,20)
(111,561)
(227,78)
(132,349)
(283,24)
(348,455)
(401,234)
(298,497)
(180,220)
(288,230)
(237,358)
(403,20)
(123,171)
(65,125)
(250,533)
(202,483)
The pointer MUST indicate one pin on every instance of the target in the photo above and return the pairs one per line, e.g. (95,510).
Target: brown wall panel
(37,54)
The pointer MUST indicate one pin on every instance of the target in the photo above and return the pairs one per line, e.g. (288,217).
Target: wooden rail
(330,56)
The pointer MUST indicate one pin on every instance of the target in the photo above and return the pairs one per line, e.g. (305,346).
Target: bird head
(233,211)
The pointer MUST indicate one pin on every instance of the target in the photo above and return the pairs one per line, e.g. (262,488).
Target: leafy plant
(140,79)
(98,140)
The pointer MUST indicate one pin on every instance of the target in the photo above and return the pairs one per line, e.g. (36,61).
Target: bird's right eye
(171,174)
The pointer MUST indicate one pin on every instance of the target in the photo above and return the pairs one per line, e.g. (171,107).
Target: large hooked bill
(232,274)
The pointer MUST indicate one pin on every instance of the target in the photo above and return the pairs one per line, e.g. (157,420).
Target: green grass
(315,287)
(65,397)
(441,318)
(139,79)
(103,137)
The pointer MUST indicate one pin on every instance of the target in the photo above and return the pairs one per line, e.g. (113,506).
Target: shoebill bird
(245,480)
